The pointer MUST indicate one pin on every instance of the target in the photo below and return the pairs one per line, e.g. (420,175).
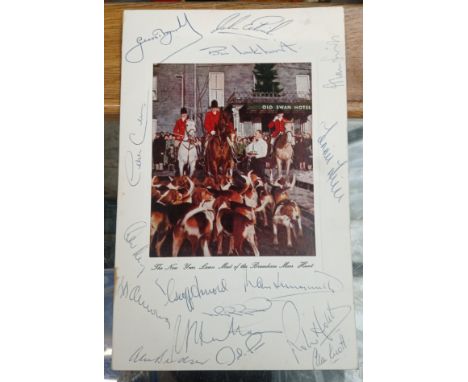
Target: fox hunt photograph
(232,168)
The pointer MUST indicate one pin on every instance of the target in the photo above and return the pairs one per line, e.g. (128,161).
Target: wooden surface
(113,39)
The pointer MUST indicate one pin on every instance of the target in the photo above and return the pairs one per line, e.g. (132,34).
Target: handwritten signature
(190,292)
(328,154)
(170,37)
(336,58)
(303,337)
(321,283)
(165,358)
(256,49)
(244,25)
(196,332)
(134,231)
(132,167)
(134,294)
(142,124)
(247,308)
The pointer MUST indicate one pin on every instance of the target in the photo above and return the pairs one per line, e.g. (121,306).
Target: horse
(188,149)
(219,159)
(283,150)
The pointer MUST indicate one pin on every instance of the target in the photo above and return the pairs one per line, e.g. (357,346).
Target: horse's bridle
(190,144)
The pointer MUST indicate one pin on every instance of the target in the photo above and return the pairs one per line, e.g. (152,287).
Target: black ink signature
(190,292)
(136,53)
(243,25)
(135,295)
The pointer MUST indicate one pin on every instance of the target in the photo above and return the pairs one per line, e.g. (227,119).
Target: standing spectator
(168,147)
(308,150)
(257,151)
(240,147)
(159,148)
(300,154)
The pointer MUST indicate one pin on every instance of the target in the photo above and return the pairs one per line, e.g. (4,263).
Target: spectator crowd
(165,150)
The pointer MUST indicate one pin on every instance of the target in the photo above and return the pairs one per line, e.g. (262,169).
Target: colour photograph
(232,160)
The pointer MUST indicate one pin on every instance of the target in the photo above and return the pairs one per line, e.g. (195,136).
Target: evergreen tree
(266,79)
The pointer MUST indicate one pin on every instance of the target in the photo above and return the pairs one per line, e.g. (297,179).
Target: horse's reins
(231,147)
(187,148)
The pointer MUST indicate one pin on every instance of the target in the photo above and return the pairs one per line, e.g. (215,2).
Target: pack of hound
(205,213)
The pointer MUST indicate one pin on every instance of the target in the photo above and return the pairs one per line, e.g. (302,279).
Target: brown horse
(219,158)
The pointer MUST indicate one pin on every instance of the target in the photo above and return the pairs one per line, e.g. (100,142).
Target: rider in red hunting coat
(181,124)
(278,124)
(212,118)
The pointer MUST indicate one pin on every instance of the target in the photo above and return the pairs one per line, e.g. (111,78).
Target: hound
(237,222)
(165,212)
(286,211)
(196,226)
(265,200)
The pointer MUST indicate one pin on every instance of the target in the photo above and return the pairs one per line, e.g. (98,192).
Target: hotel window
(155,88)
(216,83)
(303,86)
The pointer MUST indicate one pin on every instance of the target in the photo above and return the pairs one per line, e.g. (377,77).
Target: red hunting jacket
(210,121)
(179,129)
(278,126)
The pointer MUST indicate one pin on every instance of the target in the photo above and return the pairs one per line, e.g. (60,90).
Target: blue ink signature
(321,283)
(328,155)
(199,332)
(324,325)
(256,49)
(131,167)
(134,294)
(133,231)
(191,292)
(142,124)
(136,53)
(247,308)
(243,25)
(336,58)
(165,358)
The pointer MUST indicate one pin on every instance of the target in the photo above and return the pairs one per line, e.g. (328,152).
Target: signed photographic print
(233,232)
(232,160)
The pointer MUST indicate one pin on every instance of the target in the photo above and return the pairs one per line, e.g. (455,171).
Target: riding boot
(272,148)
